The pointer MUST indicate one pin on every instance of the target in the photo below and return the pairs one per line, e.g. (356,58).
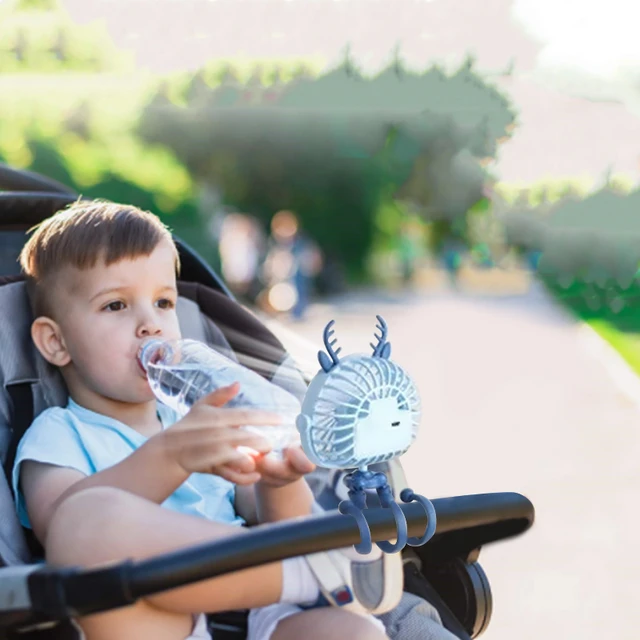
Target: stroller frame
(37,601)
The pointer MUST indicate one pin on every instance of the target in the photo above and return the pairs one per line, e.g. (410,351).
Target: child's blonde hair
(81,235)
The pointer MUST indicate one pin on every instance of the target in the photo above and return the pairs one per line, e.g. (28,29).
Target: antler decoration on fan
(382,349)
(358,411)
(325,363)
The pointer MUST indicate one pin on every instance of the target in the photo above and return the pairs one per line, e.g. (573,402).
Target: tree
(335,147)
(38,36)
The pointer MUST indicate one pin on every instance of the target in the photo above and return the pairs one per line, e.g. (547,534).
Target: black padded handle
(12,179)
(23,210)
(466,523)
(56,592)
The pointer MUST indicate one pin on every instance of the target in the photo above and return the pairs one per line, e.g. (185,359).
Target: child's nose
(148,328)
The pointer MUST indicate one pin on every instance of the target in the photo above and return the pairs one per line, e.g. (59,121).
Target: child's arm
(281,503)
(205,441)
(245,504)
(264,503)
(282,491)
(145,473)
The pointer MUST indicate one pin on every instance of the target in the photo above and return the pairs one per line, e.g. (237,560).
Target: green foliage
(336,148)
(473,104)
(590,250)
(77,136)
(38,5)
(347,152)
(583,238)
(626,344)
(37,36)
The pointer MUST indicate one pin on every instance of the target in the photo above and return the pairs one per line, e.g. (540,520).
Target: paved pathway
(514,402)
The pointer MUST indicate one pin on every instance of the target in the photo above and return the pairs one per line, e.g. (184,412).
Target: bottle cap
(149,349)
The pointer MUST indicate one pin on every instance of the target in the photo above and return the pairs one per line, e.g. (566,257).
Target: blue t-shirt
(89,442)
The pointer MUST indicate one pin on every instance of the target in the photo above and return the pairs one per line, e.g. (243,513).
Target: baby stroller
(37,601)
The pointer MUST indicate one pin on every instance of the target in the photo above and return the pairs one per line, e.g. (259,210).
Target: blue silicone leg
(346,507)
(407,495)
(401,525)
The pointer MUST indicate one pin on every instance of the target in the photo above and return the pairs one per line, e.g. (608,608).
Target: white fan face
(363,411)
(387,428)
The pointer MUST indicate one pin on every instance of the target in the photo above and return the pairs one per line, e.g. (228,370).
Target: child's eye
(165,303)
(117,305)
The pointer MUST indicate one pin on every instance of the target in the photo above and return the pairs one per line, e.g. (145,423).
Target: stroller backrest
(28,384)
(10,247)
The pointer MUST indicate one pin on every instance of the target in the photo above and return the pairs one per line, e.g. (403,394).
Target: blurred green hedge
(352,154)
(79,130)
(37,36)
(588,247)
(339,148)
(342,171)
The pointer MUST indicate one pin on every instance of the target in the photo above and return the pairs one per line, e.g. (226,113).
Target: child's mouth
(155,358)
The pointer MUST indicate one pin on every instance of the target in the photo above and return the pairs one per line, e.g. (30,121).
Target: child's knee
(357,626)
(371,630)
(329,622)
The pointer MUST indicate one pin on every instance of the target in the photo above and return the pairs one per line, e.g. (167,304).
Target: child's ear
(48,339)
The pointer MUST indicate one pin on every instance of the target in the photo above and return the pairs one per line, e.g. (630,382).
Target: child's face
(105,314)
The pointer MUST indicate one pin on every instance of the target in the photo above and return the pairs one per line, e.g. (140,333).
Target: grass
(626,344)
(621,330)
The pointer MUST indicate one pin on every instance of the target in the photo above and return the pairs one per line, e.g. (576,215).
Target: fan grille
(348,397)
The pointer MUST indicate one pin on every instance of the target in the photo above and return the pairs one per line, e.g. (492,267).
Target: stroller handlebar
(57,593)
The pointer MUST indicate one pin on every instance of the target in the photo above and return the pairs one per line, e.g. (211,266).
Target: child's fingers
(202,439)
(235,438)
(237,477)
(244,464)
(226,459)
(298,460)
(221,396)
(290,469)
(223,417)
(208,449)
(277,469)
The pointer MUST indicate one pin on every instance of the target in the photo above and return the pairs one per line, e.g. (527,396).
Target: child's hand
(278,473)
(206,440)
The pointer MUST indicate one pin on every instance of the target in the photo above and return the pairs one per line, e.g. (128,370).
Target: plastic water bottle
(180,372)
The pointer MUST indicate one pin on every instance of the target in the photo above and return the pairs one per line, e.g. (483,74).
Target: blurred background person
(240,248)
(291,263)
(410,250)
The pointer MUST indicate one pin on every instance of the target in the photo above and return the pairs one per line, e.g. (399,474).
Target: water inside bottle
(181,386)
